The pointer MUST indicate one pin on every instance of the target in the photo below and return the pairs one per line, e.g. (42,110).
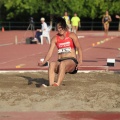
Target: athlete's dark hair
(61,21)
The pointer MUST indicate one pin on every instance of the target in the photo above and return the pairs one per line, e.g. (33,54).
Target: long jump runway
(96,48)
(65,115)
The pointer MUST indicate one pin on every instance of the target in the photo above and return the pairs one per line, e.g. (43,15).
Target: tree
(1,4)
(16,7)
(84,8)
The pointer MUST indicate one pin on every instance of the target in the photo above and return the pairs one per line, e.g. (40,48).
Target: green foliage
(84,8)
(1,3)
(19,6)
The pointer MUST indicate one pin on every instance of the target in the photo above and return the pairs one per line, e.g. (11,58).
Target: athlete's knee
(62,64)
(52,65)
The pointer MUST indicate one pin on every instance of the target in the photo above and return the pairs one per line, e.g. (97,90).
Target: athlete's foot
(105,35)
(55,84)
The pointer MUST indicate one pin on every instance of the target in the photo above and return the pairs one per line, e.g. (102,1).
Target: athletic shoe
(35,40)
(44,85)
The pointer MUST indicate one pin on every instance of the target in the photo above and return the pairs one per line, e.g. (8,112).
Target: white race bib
(64,50)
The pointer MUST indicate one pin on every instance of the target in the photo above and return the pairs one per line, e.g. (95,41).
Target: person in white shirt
(42,31)
(44,25)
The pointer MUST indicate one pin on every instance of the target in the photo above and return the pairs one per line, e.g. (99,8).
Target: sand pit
(94,91)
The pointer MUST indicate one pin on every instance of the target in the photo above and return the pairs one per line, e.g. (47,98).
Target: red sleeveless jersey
(65,43)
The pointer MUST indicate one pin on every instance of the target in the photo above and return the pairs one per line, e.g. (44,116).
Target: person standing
(68,62)
(75,21)
(67,19)
(106,22)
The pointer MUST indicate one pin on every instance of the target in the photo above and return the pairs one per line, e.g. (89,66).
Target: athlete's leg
(73,28)
(64,67)
(107,28)
(51,72)
(76,29)
(70,27)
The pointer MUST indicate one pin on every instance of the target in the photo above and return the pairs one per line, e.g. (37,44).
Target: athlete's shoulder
(72,34)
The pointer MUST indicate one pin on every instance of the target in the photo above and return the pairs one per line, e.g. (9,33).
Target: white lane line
(2,45)
(108,39)
(19,58)
(6,44)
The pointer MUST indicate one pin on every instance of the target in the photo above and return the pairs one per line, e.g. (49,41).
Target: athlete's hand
(79,25)
(117,16)
(78,66)
(40,64)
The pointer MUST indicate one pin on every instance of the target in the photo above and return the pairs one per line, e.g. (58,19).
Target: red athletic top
(65,43)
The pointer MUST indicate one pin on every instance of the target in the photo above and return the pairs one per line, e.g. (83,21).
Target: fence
(84,25)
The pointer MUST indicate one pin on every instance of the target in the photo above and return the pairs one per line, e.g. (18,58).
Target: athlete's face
(75,14)
(60,30)
(66,14)
(107,13)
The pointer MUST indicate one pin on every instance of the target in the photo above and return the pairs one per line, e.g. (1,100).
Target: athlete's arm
(50,51)
(117,16)
(110,19)
(78,47)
